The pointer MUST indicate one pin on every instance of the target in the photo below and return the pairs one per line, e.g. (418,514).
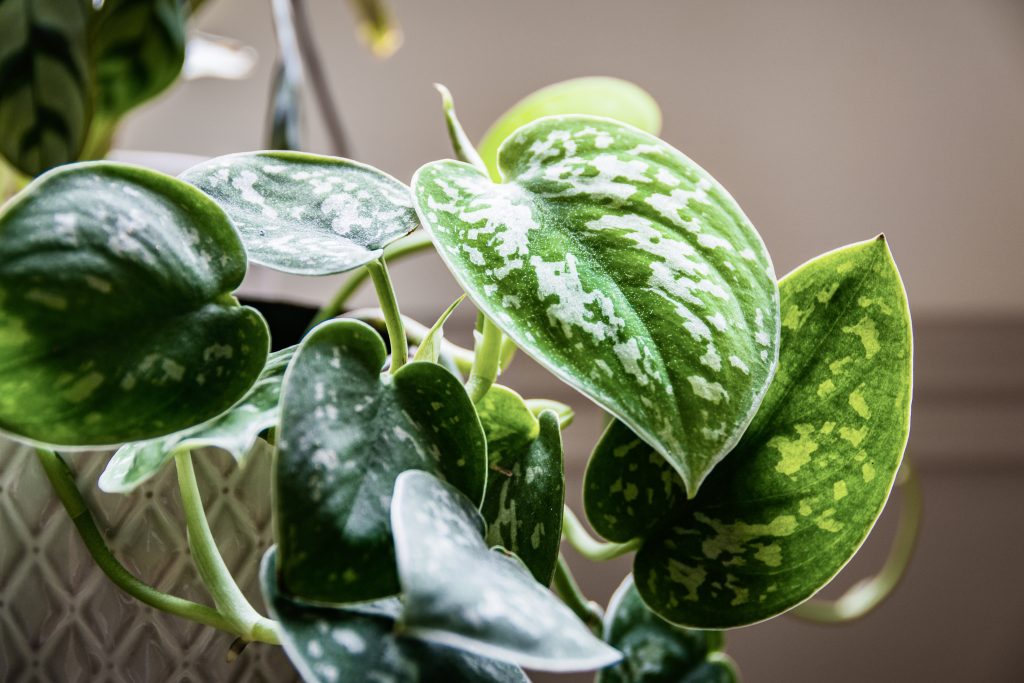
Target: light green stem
(486,361)
(392,316)
(589,547)
(63,481)
(410,244)
(226,594)
(567,588)
(868,594)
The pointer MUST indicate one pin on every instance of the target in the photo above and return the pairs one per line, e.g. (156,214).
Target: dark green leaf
(45,86)
(795,500)
(459,593)
(116,316)
(526,486)
(594,96)
(655,651)
(348,646)
(346,433)
(235,431)
(138,50)
(625,269)
(307,214)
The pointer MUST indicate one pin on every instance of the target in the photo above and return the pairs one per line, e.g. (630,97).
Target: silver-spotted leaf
(116,316)
(347,431)
(526,484)
(795,500)
(307,214)
(45,82)
(138,49)
(655,651)
(612,98)
(625,269)
(234,431)
(462,594)
(328,645)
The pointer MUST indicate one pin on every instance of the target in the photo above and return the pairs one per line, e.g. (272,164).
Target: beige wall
(829,121)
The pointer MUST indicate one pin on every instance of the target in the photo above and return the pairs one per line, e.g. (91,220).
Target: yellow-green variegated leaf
(793,503)
(612,98)
(462,594)
(234,431)
(655,651)
(347,432)
(307,214)
(45,82)
(625,269)
(117,321)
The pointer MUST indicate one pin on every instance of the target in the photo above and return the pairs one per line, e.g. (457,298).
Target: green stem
(392,316)
(410,244)
(226,594)
(486,361)
(63,481)
(567,589)
(588,546)
(868,594)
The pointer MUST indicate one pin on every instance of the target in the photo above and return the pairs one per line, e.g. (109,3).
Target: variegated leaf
(117,321)
(655,651)
(347,432)
(235,431)
(625,269)
(328,645)
(307,214)
(612,98)
(45,82)
(526,484)
(461,594)
(795,500)
(138,50)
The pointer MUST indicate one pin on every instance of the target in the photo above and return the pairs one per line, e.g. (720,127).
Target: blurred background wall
(829,122)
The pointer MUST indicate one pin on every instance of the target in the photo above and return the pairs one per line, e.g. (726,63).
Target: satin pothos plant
(756,426)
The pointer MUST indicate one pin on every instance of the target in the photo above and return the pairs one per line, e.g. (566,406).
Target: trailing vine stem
(589,547)
(216,576)
(392,316)
(864,596)
(62,479)
(410,244)
(486,361)
(565,585)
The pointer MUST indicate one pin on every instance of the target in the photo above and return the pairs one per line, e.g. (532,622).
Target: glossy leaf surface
(116,316)
(307,214)
(235,431)
(347,432)
(625,269)
(341,646)
(526,484)
(795,500)
(138,50)
(45,86)
(462,594)
(594,96)
(655,651)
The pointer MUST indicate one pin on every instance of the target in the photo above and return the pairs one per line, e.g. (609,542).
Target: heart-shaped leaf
(45,105)
(526,486)
(655,651)
(307,214)
(795,500)
(612,98)
(235,431)
(116,318)
(138,50)
(340,646)
(347,432)
(625,269)
(459,593)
